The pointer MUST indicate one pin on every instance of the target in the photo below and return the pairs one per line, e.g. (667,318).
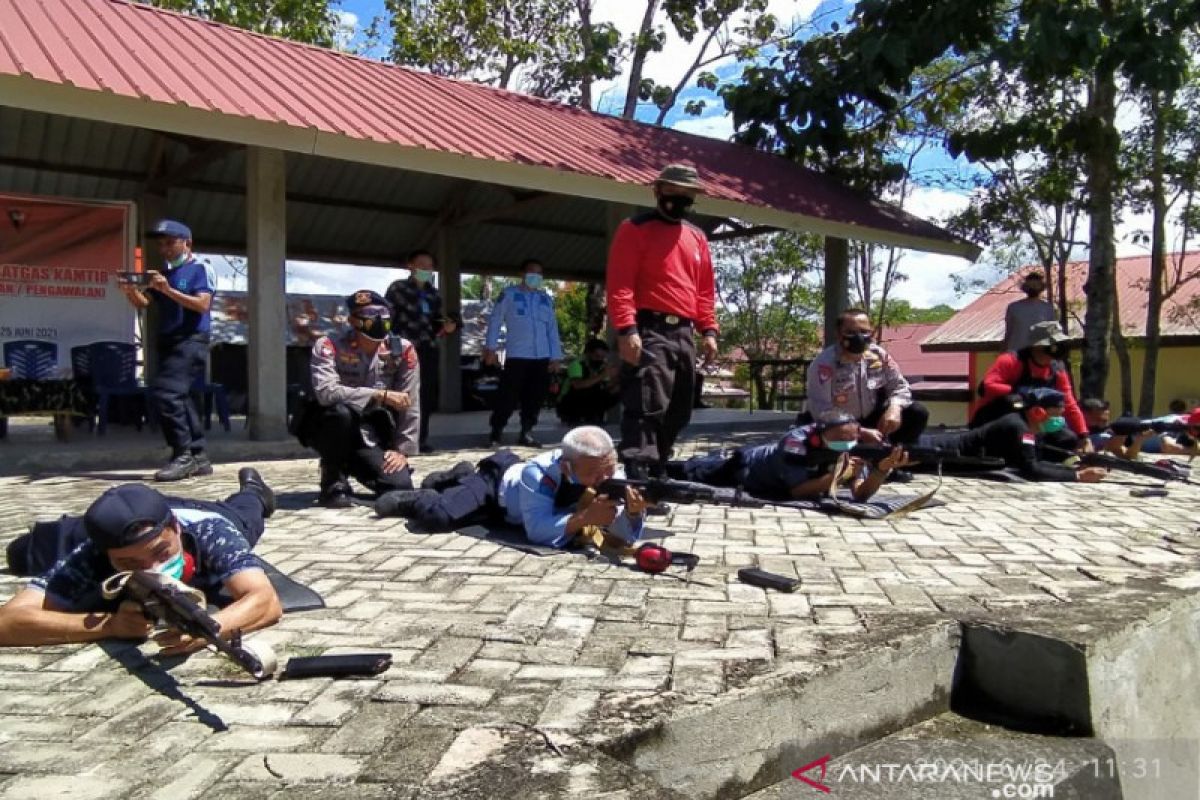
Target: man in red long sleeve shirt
(1034,366)
(660,290)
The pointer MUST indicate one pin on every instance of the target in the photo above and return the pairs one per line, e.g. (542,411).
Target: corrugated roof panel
(249,75)
(980,325)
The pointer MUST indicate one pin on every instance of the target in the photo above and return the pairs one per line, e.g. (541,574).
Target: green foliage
(481,287)
(535,46)
(310,21)
(901,312)
(570,308)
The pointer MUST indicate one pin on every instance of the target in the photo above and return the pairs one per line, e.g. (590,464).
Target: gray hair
(586,441)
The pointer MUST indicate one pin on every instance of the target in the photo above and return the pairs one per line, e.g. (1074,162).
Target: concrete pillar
(616,213)
(150,209)
(266,251)
(837,283)
(450,353)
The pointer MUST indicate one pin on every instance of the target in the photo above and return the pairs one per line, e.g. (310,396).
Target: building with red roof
(977,331)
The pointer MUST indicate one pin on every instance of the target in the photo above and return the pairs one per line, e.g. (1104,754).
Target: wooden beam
(197,162)
(453,202)
(497,212)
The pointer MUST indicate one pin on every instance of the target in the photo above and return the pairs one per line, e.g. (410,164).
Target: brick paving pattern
(487,639)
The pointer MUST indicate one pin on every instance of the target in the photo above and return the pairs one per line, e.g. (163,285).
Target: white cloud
(720,127)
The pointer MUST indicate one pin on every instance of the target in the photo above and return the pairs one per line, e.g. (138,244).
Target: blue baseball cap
(125,515)
(169,229)
(1044,397)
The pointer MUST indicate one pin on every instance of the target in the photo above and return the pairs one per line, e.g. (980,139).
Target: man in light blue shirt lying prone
(545,495)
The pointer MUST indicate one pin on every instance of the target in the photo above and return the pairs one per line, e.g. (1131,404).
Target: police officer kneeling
(365,418)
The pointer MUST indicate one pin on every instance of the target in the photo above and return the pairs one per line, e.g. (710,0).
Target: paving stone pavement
(491,645)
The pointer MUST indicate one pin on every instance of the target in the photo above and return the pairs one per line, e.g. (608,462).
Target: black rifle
(1132,426)
(873,454)
(667,490)
(172,604)
(1114,463)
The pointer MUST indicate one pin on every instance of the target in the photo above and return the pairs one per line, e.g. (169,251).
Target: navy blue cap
(365,299)
(120,516)
(1044,396)
(169,229)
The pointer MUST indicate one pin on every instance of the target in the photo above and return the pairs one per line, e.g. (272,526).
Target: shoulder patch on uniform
(327,347)
(824,373)
(1028,439)
(410,356)
(548,482)
(794,444)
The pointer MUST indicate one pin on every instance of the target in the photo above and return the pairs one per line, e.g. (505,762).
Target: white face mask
(175,263)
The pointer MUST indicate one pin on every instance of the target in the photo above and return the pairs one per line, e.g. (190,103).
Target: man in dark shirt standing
(660,290)
(182,296)
(417,316)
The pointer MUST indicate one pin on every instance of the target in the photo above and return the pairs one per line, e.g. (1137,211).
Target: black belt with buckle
(658,316)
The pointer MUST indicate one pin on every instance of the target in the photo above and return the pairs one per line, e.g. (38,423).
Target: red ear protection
(1037,415)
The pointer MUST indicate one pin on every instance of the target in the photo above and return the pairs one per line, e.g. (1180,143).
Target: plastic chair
(214,394)
(114,374)
(31,359)
(81,371)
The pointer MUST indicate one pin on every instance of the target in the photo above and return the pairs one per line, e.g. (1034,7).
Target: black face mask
(674,206)
(373,327)
(856,343)
(596,363)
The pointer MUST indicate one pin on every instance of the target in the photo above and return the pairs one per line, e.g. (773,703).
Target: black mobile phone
(337,666)
(1148,492)
(768,580)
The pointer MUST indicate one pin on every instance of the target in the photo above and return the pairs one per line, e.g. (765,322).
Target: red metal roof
(113,47)
(980,326)
(903,343)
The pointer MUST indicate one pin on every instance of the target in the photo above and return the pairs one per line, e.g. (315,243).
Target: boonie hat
(120,516)
(1046,334)
(680,175)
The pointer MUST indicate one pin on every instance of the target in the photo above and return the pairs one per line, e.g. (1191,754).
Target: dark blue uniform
(183,338)
(768,471)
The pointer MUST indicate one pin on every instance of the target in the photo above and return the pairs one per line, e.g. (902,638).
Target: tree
(811,98)
(1161,160)
(310,21)
(770,306)
(570,309)
(538,47)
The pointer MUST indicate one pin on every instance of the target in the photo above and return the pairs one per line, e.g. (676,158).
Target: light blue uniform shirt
(529,322)
(527,493)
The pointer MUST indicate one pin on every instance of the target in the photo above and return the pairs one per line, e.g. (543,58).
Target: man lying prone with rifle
(1128,437)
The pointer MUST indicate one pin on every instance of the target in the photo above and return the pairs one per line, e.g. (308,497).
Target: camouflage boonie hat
(680,175)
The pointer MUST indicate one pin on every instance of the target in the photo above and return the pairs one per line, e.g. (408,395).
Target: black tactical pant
(181,362)
(353,443)
(36,552)
(472,500)
(427,356)
(524,380)
(657,395)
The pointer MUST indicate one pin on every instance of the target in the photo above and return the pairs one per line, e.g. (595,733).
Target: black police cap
(126,515)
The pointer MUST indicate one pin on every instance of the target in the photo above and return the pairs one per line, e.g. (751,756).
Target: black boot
(203,464)
(181,466)
(335,489)
(250,481)
(400,503)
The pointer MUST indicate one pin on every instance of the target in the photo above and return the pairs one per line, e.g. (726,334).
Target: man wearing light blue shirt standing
(532,350)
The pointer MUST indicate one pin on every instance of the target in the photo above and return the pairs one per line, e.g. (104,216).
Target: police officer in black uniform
(182,296)
(365,418)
